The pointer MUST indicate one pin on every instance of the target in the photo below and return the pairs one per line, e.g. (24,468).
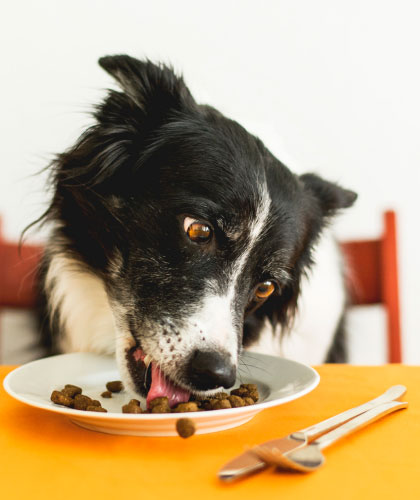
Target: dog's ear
(155,89)
(330,197)
(106,155)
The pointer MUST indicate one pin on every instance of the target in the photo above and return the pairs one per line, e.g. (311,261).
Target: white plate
(279,381)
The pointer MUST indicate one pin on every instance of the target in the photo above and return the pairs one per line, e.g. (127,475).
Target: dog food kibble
(131,408)
(159,405)
(222,404)
(220,395)
(115,386)
(241,392)
(59,398)
(185,407)
(159,401)
(81,402)
(78,402)
(71,390)
(185,427)
(250,387)
(96,408)
(246,391)
(245,395)
(235,401)
(253,395)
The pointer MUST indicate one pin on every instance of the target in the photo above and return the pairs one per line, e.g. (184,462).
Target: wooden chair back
(18,265)
(373,278)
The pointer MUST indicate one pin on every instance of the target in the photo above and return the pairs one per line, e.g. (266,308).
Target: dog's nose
(211,369)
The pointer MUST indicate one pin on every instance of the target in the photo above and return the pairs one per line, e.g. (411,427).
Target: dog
(178,239)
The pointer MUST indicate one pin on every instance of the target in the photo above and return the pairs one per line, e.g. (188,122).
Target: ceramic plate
(279,381)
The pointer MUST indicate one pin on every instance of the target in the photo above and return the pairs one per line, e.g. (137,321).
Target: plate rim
(70,412)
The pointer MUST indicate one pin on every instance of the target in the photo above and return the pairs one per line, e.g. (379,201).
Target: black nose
(211,369)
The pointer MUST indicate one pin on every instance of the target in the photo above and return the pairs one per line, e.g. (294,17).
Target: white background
(331,86)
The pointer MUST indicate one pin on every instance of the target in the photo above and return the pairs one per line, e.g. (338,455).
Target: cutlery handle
(311,433)
(358,423)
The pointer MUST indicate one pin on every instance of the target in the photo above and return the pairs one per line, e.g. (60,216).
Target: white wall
(330,86)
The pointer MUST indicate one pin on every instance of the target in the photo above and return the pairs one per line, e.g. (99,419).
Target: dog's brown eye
(264,290)
(198,232)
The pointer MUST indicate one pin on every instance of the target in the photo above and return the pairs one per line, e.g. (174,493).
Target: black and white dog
(178,239)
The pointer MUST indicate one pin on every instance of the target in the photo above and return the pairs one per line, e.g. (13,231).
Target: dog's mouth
(150,380)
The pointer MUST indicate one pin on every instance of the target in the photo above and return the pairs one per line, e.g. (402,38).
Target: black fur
(153,156)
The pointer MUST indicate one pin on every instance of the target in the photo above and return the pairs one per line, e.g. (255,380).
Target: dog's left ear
(330,197)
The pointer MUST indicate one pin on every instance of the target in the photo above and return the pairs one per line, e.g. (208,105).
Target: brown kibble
(221,404)
(72,397)
(131,408)
(159,405)
(71,390)
(220,395)
(160,409)
(115,386)
(59,398)
(246,391)
(185,427)
(250,387)
(236,401)
(159,401)
(81,402)
(208,404)
(96,408)
(241,392)
(185,407)
(254,395)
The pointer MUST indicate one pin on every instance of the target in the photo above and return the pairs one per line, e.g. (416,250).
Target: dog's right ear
(107,155)
(154,89)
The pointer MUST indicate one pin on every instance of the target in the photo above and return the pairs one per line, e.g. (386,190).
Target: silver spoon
(310,457)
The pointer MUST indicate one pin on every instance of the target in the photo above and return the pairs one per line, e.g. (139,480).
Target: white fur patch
(213,324)
(256,230)
(80,300)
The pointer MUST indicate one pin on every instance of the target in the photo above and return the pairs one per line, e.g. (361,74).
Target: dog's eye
(197,231)
(264,290)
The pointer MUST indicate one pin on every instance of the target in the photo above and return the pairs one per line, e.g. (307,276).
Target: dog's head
(197,231)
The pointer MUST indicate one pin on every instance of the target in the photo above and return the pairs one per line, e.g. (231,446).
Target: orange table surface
(43,455)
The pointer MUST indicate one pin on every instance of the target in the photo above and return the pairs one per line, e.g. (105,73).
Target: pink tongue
(162,386)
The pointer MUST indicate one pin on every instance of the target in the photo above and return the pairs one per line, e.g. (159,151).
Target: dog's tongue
(162,386)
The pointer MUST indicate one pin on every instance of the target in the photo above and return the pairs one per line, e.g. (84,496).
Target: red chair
(373,279)
(18,273)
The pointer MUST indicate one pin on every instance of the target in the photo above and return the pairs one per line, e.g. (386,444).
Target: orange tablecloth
(44,455)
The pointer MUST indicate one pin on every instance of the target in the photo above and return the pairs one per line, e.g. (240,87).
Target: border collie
(178,239)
